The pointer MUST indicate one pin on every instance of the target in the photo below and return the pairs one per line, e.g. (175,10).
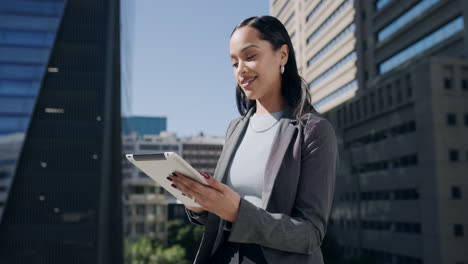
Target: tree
(150,251)
(187,236)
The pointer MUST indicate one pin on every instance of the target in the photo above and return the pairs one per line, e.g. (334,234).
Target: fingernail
(169,178)
(173,185)
(206,175)
(173,174)
(184,194)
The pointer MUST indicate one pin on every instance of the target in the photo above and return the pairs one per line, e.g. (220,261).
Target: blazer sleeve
(200,219)
(303,230)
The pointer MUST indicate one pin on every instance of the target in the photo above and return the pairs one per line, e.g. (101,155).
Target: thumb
(212,182)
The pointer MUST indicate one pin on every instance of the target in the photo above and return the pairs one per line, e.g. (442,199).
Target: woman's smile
(247,82)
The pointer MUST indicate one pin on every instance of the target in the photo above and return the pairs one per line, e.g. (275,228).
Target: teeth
(251,79)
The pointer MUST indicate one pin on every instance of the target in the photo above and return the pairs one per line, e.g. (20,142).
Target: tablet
(160,165)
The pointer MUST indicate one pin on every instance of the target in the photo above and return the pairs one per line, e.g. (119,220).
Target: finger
(192,184)
(212,182)
(185,190)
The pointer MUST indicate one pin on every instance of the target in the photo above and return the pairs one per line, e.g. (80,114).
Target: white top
(246,171)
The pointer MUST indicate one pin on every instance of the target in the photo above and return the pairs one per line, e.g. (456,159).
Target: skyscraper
(60,132)
(324,39)
(401,185)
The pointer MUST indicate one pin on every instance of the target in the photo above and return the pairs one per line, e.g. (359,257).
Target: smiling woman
(271,195)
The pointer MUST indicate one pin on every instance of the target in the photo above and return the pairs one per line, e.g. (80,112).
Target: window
(347,88)
(453,155)
(447,83)
(456,193)
(364,106)
(379,4)
(389,95)
(350,58)
(381,100)
(458,230)
(314,11)
(338,117)
(399,96)
(464,81)
(409,88)
(140,209)
(357,106)
(345,114)
(329,20)
(434,38)
(140,228)
(451,119)
(464,84)
(139,189)
(405,18)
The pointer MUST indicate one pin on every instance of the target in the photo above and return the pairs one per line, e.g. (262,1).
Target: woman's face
(256,65)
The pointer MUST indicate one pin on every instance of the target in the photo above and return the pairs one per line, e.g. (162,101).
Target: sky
(181,65)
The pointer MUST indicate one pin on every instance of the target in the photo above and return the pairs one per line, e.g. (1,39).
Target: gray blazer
(296,198)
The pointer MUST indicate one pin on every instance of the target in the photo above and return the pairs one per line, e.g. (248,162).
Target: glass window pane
(21,72)
(20,105)
(26,38)
(23,88)
(422,45)
(13,124)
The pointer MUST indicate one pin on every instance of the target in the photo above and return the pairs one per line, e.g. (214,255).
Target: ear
(284,54)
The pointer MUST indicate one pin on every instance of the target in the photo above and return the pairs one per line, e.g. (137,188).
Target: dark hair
(293,86)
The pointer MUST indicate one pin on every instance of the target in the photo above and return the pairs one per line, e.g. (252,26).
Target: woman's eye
(235,65)
(251,57)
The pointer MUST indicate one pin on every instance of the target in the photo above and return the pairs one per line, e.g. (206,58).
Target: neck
(270,105)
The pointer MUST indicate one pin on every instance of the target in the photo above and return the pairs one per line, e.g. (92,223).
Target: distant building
(147,206)
(202,152)
(145,201)
(323,34)
(144,125)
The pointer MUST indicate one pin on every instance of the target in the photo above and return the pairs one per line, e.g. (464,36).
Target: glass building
(144,125)
(60,125)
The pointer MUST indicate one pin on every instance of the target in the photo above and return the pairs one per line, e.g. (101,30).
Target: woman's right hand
(197,210)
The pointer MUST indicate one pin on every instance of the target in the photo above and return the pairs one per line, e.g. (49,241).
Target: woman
(272,190)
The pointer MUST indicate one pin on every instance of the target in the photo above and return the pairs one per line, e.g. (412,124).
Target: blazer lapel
(231,146)
(280,144)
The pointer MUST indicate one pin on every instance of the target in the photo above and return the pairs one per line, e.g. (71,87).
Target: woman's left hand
(215,197)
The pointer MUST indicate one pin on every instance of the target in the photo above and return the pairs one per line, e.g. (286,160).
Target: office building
(145,201)
(60,132)
(202,152)
(147,206)
(144,125)
(401,185)
(323,33)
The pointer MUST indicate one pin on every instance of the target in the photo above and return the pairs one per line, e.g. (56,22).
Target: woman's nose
(241,68)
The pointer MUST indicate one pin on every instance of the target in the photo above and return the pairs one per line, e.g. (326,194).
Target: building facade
(145,201)
(147,206)
(401,183)
(60,132)
(143,125)
(323,33)
(202,152)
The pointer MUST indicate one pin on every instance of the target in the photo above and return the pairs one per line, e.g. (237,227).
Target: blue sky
(181,65)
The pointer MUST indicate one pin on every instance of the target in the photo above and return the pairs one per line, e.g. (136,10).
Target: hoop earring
(282,69)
